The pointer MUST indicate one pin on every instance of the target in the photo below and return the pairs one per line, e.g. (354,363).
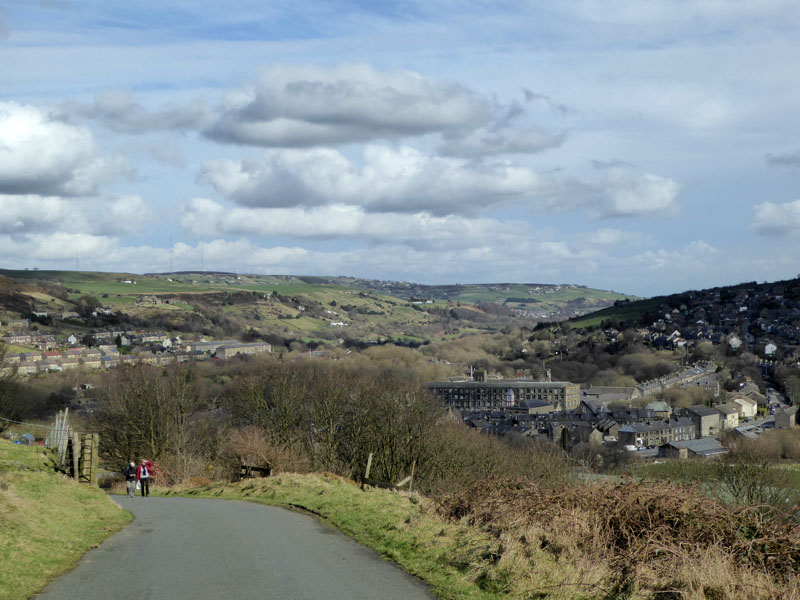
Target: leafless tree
(145,411)
(11,401)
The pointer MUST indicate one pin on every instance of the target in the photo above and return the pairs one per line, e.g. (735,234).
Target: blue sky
(647,148)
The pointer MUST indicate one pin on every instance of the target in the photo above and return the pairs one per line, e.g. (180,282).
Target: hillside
(305,308)
(748,315)
(717,299)
(46,521)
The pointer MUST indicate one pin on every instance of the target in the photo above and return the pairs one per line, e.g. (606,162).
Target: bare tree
(11,401)
(145,411)
(749,478)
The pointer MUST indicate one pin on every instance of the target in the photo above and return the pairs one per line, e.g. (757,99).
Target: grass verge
(47,521)
(456,560)
(524,540)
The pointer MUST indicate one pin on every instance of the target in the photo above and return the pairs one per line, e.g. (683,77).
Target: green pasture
(623,312)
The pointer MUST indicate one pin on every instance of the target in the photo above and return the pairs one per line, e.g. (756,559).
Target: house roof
(748,432)
(605,425)
(501,383)
(749,388)
(658,406)
(701,446)
(534,403)
(745,400)
(596,405)
(607,397)
(702,411)
(657,426)
(726,409)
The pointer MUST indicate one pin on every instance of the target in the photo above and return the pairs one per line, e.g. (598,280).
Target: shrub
(646,535)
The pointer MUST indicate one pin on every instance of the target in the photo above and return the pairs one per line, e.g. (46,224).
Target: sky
(642,147)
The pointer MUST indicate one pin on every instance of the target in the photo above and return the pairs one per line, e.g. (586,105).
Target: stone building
(505,393)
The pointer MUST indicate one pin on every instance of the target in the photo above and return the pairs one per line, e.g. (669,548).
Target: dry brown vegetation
(774,445)
(632,540)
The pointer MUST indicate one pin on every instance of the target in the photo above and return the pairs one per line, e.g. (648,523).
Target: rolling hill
(307,308)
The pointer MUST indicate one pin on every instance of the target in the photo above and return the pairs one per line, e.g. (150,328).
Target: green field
(623,312)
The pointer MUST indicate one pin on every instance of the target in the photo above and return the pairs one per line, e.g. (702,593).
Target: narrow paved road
(196,549)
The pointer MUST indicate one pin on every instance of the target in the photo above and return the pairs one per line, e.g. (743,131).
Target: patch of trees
(787,380)
(355,344)
(644,366)
(149,412)
(86,305)
(20,401)
(201,420)
(46,320)
(361,309)
(496,310)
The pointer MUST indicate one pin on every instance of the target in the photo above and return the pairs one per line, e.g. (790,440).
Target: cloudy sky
(644,147)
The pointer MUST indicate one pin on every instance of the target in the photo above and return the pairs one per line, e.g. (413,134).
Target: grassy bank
(501,540)
(47,522)
(455,559)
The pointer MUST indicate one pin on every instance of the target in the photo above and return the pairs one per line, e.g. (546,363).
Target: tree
(86,305)
(11,402)
(750,478)
(145,412)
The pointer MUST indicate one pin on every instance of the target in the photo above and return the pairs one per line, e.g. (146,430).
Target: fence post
(369,466)
(366,473)
(62,439)
(411,478)
(95,457)
(76,456)
(51,440)
(86,458)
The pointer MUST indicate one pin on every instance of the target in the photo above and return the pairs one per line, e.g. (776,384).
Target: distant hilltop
(276,308)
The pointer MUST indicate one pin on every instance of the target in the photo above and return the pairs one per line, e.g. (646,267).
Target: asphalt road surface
(197,549)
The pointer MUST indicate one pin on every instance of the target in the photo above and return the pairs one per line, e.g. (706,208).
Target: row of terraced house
(108,356)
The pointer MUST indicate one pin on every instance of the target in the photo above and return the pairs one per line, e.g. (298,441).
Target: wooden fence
(408,481)
(76,453)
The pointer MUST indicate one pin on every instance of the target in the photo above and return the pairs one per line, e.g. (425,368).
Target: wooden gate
(76,453)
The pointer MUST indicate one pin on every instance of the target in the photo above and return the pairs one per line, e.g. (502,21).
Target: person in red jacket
(143,474)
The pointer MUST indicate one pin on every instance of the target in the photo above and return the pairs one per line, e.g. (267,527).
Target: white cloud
(630,194)
(507,132)
(120,111)
(55,247)
(24,214)
(203,216)
(103,216)
(60,250)
(388,180)
(406,180)
(695,256)
(776,219)
(607,237)
(41,155)
(124,215)
(486,140)
(306,106)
